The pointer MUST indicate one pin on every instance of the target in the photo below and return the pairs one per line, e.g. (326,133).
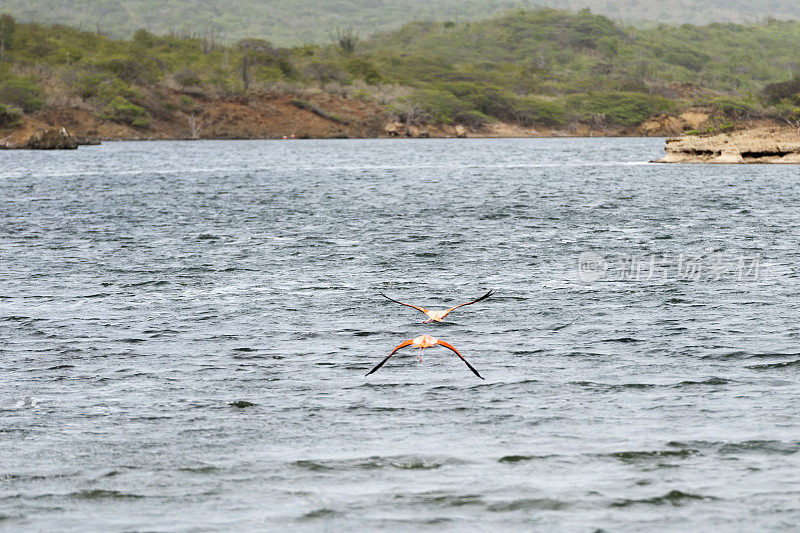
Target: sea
(186,329)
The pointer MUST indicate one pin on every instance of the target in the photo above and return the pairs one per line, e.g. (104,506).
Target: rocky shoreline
(278,115)
(779,145)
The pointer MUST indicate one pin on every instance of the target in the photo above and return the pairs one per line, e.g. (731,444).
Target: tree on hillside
(346,39)
(7,27)
(245,70)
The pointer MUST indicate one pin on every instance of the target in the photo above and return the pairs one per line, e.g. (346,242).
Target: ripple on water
(543,504)
(649,455)
(377,462)
(743,447)
(674,497)
(103,494)
(787,365)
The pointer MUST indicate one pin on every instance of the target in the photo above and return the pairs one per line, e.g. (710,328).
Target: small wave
(640,386)
(152,282)
(35,477)
(375,462)
(441,499)
(709,381)
(98,494)
(522,458)
(160,332)
(319,513)
(453,500)
(768,446)
(206,469)
(645,455)
(96,295)
(241,404)
(673,497)
(375,409)
(748,446)
(503,385)
(622,339)
(740,354)
(782,364)
(545,504)
(371,385)
(15,318)
(416,465)
(527,352)
(312,465)
(614,386)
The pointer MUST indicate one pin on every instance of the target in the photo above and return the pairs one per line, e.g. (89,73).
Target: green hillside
(531,67)
(554,51)
(295,22)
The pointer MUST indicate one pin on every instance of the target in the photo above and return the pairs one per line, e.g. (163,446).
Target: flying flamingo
(438,315)
(422,342)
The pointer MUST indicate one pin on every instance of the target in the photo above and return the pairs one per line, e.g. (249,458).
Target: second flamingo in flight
(438,315)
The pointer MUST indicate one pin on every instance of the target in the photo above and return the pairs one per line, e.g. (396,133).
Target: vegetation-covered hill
(545,67)
(556,51)
(292,22)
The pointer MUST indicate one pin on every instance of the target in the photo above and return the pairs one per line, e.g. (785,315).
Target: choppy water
(150,292)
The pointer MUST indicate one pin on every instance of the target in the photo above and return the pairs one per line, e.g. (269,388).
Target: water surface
(185,329)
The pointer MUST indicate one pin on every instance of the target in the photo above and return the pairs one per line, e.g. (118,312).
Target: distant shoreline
(275,115)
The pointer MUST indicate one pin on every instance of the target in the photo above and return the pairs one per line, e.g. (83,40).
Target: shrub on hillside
(7,28)
(141,70)
(775,92)
(624,109)
(144,38)
(531,110)
(90,85)
(325,72)
(9,115)
(488,99)
(584,30)
(687,57)
(736,108)
(187,78)
(23,93)
(363,69)
(121,110)
(437,105)
(472,119)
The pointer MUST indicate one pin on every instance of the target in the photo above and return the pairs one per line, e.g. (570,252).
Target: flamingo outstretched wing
(447,345)
(468,303)
(418,308)
(402,345)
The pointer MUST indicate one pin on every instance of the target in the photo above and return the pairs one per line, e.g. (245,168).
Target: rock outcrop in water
(759,145)
(41,139)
